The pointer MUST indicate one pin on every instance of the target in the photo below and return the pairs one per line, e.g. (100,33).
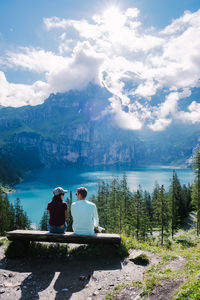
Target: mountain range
(73,128)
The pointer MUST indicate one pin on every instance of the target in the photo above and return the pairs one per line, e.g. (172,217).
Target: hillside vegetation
(77,128)
(176,276)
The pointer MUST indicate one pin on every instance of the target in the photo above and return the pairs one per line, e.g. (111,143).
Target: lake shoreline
(36,190)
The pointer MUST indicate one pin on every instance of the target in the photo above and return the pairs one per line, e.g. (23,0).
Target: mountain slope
(74,128)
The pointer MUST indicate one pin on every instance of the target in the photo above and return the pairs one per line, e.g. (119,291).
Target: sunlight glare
(113,18)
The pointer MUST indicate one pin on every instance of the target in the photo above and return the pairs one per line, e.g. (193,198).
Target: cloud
(79,70)
(193,115)
(61,73)
(160,124)
(114,50)
(35,60)
(12,94)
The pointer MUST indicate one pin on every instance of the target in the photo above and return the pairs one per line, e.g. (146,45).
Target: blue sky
(21,22)
(44,41)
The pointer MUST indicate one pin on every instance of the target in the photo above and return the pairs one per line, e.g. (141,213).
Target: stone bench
(67,237)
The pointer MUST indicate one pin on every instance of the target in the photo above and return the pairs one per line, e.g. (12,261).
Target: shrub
(190,290)
(141,259)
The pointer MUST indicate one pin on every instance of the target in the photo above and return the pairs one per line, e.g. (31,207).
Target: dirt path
(189,224)
(76,279)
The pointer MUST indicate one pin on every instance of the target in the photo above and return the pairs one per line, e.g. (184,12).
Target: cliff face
(85,148)
(69,128)
(77,128)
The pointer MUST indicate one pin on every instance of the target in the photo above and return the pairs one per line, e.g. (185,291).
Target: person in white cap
(58,211)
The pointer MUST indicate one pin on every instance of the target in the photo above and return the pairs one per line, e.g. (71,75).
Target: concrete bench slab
(67,237)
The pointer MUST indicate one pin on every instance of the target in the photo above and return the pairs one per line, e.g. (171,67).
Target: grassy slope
(187,246)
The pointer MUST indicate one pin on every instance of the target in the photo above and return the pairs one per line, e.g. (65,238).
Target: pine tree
(154,198)
(11,216)
(130,217)
(21,219)
(196,187)
(177,209)
(44,221)
(162,214)
(101,202)
(149,209)
(4,214)
(140,216)
(113,213)
(186,199)
(125,204)
(69,219)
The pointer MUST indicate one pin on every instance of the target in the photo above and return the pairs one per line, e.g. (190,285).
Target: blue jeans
(57,229)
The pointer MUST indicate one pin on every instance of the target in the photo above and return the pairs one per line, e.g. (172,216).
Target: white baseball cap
(58,190)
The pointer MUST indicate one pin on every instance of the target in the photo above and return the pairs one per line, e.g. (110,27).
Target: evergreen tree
(162,213)
(11,217)
(44,221)
(154,204)
(21,219)
(4,214)
(113,212)
(176,204)
(131,216)
(196,199)
(111,201)
(102,202)
(140,215)
(69,219)
(124,204)
(187,200)
(149,209)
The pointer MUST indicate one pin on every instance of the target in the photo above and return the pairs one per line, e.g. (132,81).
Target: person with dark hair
(84,214)
(58,211)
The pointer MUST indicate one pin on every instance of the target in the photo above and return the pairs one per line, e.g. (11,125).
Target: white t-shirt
(85,217)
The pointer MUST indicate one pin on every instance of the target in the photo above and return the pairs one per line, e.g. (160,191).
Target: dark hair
(57,198)
(82,191)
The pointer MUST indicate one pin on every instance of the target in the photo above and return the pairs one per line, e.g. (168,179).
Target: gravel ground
(76,279)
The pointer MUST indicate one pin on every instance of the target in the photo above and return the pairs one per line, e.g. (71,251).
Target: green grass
(187,246)
(120,287)
(99,251)
(46,250)
(1,242)
(190,290)
(35,250)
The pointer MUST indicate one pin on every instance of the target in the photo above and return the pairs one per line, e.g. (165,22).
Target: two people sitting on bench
(84,213)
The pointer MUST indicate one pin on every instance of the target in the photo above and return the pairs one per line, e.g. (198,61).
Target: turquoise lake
(36,189)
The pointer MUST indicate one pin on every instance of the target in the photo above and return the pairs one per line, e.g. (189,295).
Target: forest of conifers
(136,213)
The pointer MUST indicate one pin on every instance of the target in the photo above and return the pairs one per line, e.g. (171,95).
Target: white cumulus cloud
(114,50)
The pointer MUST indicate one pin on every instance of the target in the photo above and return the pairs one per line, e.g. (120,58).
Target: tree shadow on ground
(61,277)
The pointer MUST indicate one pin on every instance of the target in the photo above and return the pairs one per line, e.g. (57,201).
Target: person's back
(58,212)
(85,216)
